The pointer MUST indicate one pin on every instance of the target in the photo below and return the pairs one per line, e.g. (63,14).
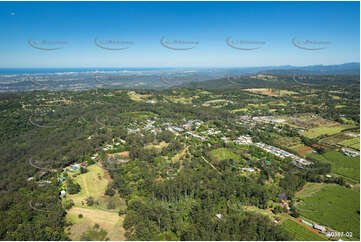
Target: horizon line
(174,67)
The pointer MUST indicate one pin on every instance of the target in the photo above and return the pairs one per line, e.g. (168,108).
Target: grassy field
(335,139)
(352,143)
(137,115)
(255,209)
(257,105)
(300,233)
(90,184)
(341,164)
(93,184)
(110,222)
(333,206)
(286,93)
(309,189)
(224,153)
(239,110)
(180,99)
(315,132)
(159,146)
(288,141)
(271,92)
(139,97)
(348,121)
(216,101)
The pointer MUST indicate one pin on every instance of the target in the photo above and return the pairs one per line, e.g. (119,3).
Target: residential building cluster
(283,154)
(243,140)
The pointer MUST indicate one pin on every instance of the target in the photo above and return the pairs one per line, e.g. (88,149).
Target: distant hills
(343,69)
(276,76)
(352,68)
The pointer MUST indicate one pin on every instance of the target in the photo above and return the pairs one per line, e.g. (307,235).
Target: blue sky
(207,23)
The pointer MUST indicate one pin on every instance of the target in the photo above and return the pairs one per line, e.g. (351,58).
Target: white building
(248,169)
(319,227)
(351,153)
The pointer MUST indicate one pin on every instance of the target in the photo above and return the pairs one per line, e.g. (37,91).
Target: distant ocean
(9,71)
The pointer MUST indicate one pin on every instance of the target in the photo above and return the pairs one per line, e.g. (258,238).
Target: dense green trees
(72,186)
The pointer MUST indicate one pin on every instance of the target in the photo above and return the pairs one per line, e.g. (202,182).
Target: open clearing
(180,99)
(90,184)
(309,189)
(137,115)
(93,184)
(111,222)
(239,110)
(264,212)
(224,154)
(271,92)
(332,205)
(139,97)
(159,146)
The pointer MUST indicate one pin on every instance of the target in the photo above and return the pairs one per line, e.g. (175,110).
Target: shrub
(90,201)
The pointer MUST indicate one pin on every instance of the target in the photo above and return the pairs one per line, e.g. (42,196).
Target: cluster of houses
(243,140)
(283,154)
(246,120)
(250,121)
(150,126)
(211,131)
(109,146)
(196,136)
(192,123)
(187,126)
(75,167)
(176,129)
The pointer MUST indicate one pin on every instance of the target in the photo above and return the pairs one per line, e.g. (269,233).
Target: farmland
(333,206)
(300,232)
(310,121)
(336,139)
(316,132)
(341,164)
(352,143)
